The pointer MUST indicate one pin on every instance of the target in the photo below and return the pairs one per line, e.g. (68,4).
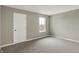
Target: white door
(19,27)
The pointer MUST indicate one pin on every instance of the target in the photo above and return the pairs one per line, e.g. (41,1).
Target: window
(42,24)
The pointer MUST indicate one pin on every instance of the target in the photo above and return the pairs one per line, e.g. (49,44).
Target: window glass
(42,24)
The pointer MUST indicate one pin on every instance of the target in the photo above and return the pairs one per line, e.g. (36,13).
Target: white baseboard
(21,42)
(72,40)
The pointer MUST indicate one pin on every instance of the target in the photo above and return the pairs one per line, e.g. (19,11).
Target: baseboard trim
(21,42)
(68,39)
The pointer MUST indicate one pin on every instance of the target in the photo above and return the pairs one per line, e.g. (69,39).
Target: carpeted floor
(45,45)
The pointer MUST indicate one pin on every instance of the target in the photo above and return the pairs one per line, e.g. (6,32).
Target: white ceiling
(46,9)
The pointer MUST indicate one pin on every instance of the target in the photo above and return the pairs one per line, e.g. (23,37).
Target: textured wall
(66,24)
(32,24)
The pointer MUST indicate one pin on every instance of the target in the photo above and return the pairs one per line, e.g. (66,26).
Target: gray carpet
(45,45)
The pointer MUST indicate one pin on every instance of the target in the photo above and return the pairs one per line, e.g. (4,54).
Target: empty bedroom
(39,28)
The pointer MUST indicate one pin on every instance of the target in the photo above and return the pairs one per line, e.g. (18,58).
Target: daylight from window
(42,24)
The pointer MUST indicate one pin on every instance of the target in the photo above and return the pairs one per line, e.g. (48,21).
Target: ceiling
(46,9)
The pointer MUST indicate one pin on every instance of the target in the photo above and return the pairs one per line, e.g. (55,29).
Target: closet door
(19,27)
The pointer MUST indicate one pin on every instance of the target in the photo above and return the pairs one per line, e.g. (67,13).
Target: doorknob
(15,30)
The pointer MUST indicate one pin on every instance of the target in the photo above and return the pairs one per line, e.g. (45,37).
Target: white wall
(66,24)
